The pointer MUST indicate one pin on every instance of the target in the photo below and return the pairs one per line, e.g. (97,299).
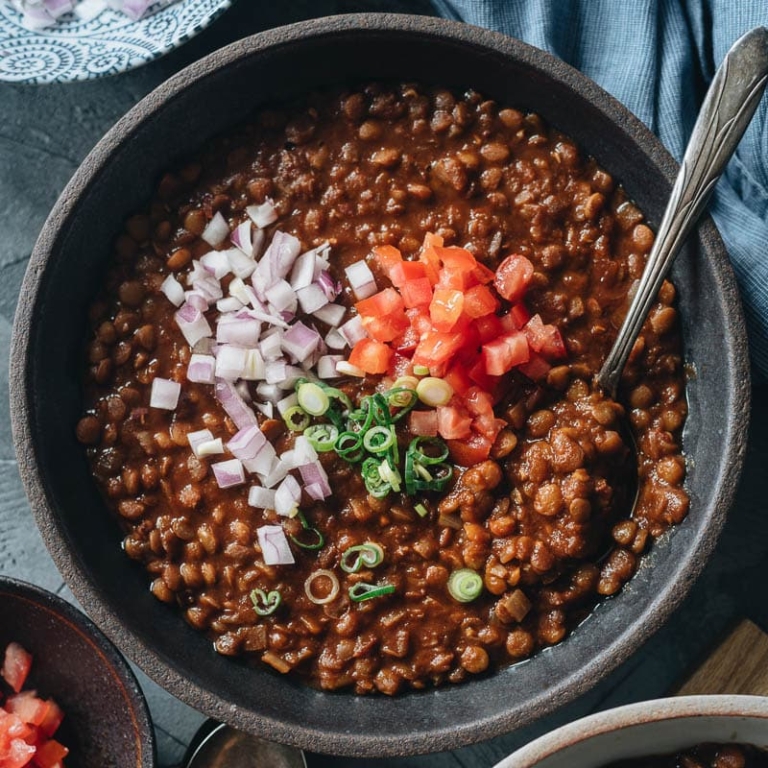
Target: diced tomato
(50,754)
(479,375)
(435,348)
(371,356)
(15,751)
(482,274)
(423,423)
(16,666)
(419,320)
(456,259)
(431,262)
(406,343)
(386,302)
(386,327)
(28,707)
(488,327)
(544,338)
(52,720)
(453,423)
(417,293)
(431,240)
(387,256)
(513,276)
(519,315)
(536,368)
(446,308)
(479,302)
(459,380)
(467,453)
(488,426)
(404,271)
(504,353)
(479,402)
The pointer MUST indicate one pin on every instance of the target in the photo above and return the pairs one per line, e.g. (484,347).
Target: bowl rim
(562,739)
(103,647)
(438,737)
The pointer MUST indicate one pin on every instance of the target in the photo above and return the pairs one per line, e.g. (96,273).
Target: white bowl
(657,727)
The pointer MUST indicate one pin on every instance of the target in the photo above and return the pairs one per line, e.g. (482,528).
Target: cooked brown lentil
(544,521)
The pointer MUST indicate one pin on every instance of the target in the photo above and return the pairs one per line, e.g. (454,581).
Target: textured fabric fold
(657,57)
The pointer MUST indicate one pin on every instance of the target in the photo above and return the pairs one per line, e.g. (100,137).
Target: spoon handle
(728,107)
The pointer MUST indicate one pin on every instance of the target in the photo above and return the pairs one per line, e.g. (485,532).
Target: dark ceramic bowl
(106,720)
(63,276)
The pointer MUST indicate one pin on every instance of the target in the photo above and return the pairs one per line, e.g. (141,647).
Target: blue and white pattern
(75,49)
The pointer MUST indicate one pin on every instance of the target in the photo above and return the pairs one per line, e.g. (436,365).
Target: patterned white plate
(73,49)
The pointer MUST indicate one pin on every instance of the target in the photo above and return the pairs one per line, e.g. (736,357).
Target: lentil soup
(541,514)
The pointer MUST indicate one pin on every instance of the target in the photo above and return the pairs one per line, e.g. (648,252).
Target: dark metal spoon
(727,110)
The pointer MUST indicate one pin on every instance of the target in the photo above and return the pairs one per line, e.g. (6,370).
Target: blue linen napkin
(657,57)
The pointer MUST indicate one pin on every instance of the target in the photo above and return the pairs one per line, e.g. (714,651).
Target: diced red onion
(314,474)
(282,252)
(240,264)
(259,238)
(210,447)
(262,215)
(229,473)
(217,263)
(192,324)
(292,375)
(237,290)
(243,331)
(282,297)
(278,471)
(329,286)
(165,394)
(315,491)
(173,290)
(274,545)
(201,369)
(287,402)
(254,370)
(197,300)
(247,443)
(353,330)
(268,409)
(311,298)
(209,287)
(275,371)
(345,368)
(303,272)
(262,463)
(334,340)
(86,10)
(300,342)
(331,314)
(326,366)
(305,453)
(423,423)
(270,346)
(242,237)
(288,459)
(234,405)
(197,438)
(270,392)
(216,231)
(230,362)
(361,280)
(204,346)
(287,497)
(244,391)
(229,304)
(261,498)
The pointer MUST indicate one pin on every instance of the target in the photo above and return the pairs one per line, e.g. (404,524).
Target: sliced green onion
(420,478)
(378,439)
(314,539)
(266,603)
(322,437)
(360,420)
(323,573)
(422,471)
(374,483)
(433,391)
(421,510)
(369,555)
(349,446)
(337,394)
(402,397)
(362,591)
(438,450)
(313,399)
(391,475)
(421,370)
(380,407)
(465,585)
(296,418)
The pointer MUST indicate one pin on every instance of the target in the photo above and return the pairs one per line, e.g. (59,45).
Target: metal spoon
(728,107)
